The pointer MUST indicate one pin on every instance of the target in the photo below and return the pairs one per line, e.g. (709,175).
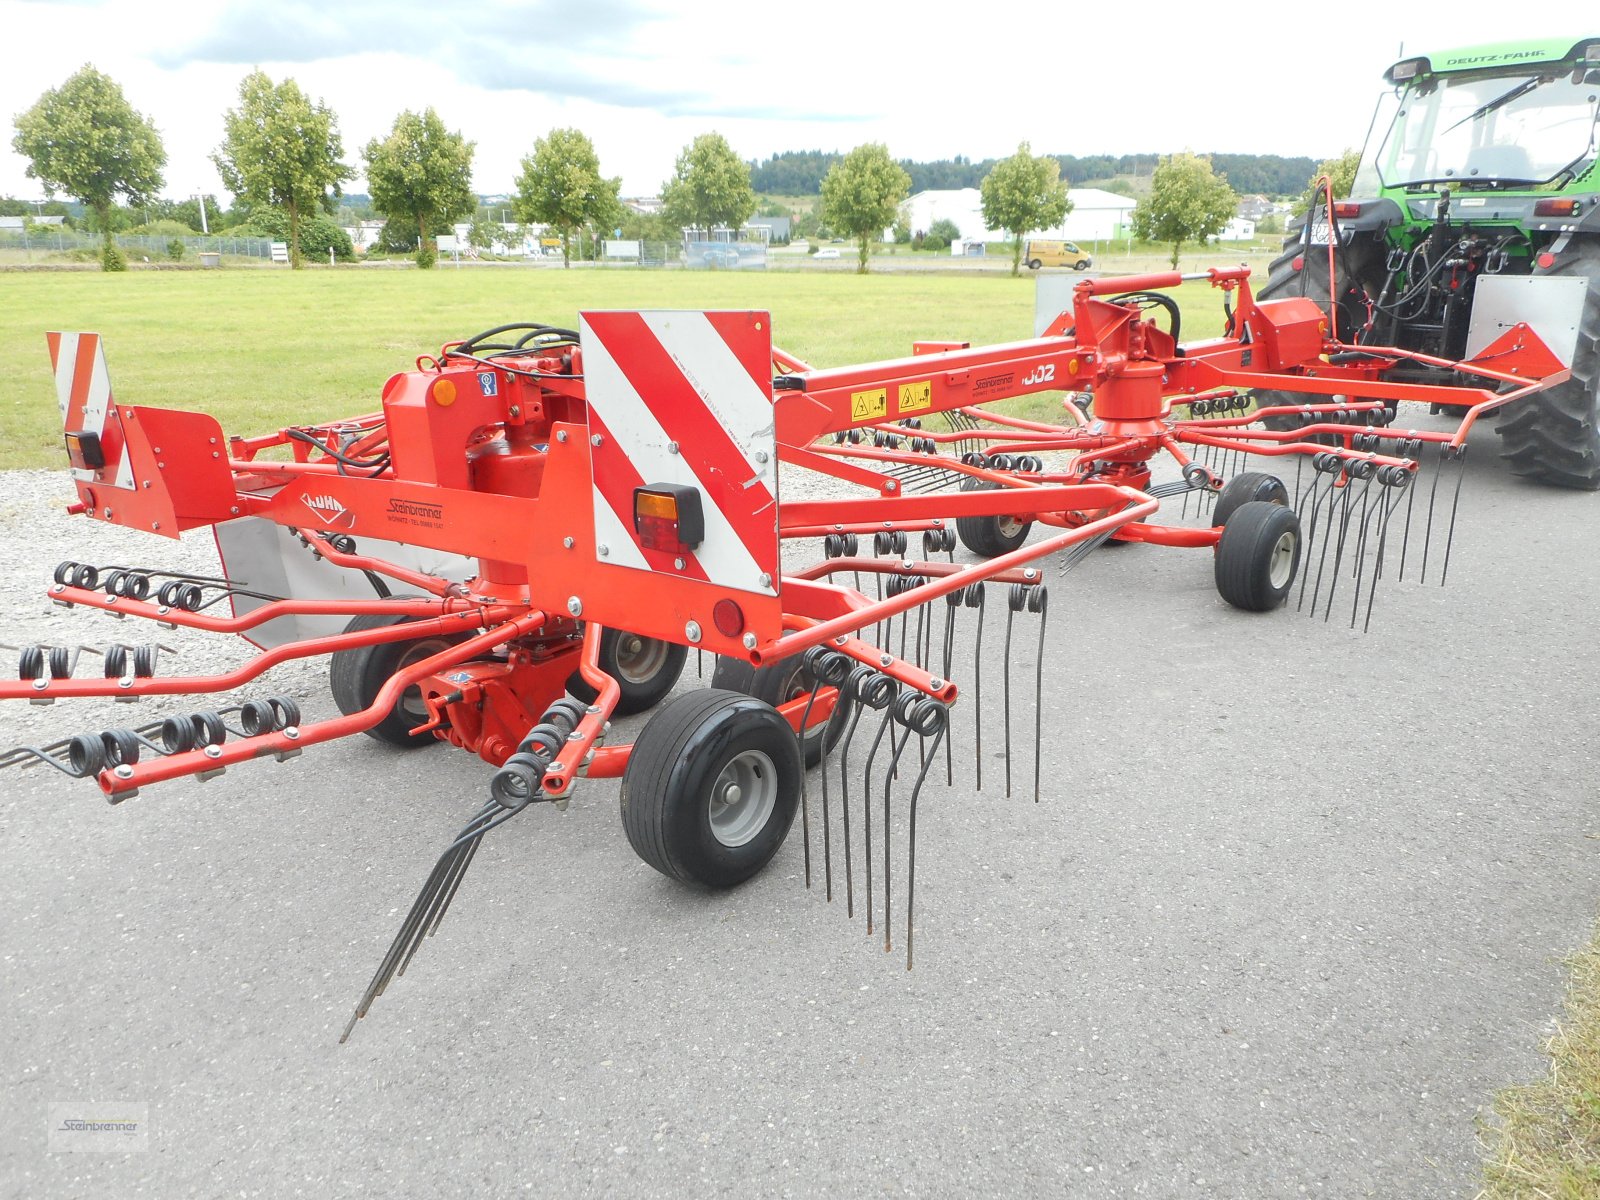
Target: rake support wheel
(711,788)
(990,536)
(356,676)
(646,669)
(1245,487)
(783,681)
(1258,556)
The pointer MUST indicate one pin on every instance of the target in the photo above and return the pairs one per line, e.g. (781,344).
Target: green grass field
(260,349)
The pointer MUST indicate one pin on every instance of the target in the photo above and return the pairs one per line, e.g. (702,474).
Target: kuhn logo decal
(330,512)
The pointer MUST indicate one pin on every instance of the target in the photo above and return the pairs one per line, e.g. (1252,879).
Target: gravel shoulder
(1288,913)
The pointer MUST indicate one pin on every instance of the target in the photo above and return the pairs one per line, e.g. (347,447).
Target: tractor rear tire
(1553,436)
(1258,556)
(356,677)
(711,788)
(645,668)
(1245,487)
(785,680)
(990,536)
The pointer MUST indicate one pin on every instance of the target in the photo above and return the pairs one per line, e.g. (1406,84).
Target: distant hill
(800,172)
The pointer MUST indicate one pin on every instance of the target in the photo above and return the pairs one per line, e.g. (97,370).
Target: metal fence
(45,241)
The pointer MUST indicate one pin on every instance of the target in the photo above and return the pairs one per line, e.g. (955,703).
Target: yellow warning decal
(915,397)
(869,406)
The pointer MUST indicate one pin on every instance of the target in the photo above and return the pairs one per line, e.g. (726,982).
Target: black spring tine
(805,806)
(1299,466)
(1338,553)
(911,836)
(699,663)
(918,642)
(1383,537)
(1311,543)
(905,617)
(1039,602)
(866,806)
(974,599)
(453,885)
(1411,496)
(1433,493)
(1014,601)
(877,579)
(1460,457)
(21,756)
(892,714)
(952,602)
(1334,494)
(856,676)
(460,854)
(872,689)
(414,918)
(1367,513)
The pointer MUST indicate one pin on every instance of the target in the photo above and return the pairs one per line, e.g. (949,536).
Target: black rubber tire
(785,680)
(356,676)
(644,684)
(1033,264)
(1250,567)
(1553,436)
(1081,265)
(989,536)
(1245,487)
(672,776)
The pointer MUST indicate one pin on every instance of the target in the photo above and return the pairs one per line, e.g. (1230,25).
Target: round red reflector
(1298,264)
(728,617)
(1547,260)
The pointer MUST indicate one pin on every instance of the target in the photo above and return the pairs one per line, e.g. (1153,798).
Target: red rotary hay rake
(539,523)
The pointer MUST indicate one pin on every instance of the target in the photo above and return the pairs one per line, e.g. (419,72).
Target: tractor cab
(1485,119)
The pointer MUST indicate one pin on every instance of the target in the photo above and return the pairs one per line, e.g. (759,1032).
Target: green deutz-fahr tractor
(1476,206)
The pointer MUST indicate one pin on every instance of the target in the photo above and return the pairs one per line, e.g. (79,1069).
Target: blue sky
(643,77)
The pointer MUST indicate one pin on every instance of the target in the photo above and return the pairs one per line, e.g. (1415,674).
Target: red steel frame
(503,475)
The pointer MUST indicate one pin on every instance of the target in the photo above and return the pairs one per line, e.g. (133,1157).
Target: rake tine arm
(60,689)
(121,606)
(1137,506)
(430,584)
(288,741)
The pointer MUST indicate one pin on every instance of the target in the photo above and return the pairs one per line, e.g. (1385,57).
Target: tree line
(800,172)
(282,156)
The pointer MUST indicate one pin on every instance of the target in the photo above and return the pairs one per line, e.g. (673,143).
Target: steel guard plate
(683,398)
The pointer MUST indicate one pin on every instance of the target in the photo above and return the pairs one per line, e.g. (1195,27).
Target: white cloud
(642,79)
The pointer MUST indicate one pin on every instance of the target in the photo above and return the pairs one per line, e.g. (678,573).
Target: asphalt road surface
(1288,912)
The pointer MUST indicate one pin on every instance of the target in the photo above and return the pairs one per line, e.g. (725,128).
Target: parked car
(826,252)
(721,256)
(1055,254)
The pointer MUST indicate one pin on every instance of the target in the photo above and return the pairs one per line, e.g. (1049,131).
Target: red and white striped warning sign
(83,390)
(685,398)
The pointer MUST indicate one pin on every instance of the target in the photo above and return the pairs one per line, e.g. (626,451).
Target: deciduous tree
(1188,202)
(1024,193)
(86,140)
(279,150)
(421,173)
(561,187)
(1340,171)
(861,195)
(710,186)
